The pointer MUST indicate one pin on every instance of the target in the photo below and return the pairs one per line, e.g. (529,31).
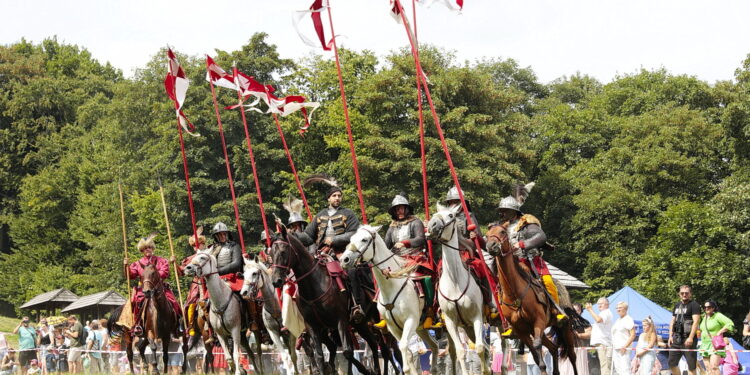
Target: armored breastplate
(223,255)
(403,233)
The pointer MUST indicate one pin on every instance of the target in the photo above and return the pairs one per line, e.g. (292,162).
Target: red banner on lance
(176,85)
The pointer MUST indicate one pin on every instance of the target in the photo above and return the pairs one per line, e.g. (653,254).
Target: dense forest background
(643,181)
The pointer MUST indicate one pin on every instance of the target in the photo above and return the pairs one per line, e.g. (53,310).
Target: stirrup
(138,330)
(357,315)
(380,324)
(561,319)
(428,323)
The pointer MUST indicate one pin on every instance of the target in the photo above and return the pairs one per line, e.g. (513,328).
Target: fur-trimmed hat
(147,242)
(201,238)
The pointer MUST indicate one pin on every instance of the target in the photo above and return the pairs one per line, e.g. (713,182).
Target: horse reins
(288,267)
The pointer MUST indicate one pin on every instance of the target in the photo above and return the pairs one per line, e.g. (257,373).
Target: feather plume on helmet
(293,205)
(147,242)
(326,179)
(517,198)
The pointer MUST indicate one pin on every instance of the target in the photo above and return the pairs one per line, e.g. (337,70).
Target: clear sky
(602,38)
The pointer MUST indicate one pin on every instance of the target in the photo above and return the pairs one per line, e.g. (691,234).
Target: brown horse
(159,319)
(527,307)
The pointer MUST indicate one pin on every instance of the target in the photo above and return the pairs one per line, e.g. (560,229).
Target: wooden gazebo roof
(566,279)
(53,299)
(107,300)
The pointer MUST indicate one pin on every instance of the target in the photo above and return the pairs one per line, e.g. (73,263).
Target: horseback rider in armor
(228,256)
(146,246)
(528,239)
(405,237)
(331,230)
(473,260)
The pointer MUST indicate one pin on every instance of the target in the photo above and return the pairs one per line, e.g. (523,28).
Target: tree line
(643,181)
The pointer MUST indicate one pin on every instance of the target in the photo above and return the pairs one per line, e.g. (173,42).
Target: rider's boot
(190,319)
(357,315)
(554,296)
(381,324)
(430,322)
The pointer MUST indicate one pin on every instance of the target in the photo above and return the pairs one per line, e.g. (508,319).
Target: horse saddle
(333,267)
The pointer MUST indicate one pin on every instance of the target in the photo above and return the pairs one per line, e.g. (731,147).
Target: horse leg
(554,351)
(128,348)
(348,346)
(274,330)
(253,359)
(237,338)
(165,339)
(142,343)
(452,355)
(479,344)
(452,329)
(430,342)
(318,360)
(227,353)
(409,363)
(290,341)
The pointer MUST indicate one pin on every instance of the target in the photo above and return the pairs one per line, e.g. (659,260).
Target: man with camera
(74,332)
(682,330)
(26,343)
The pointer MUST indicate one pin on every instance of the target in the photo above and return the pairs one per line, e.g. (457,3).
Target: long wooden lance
(229,168)
(240,100)
(171,249)
(124,239)
(346,120)
(470,226)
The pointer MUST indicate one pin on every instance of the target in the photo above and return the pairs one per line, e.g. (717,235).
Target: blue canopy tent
(639,307)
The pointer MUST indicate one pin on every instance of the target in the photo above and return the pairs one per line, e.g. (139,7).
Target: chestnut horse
(159,319)
(526,306)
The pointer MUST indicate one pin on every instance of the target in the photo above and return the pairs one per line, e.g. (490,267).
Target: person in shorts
(682,331)
(176,357)
(74,334)
(26,343)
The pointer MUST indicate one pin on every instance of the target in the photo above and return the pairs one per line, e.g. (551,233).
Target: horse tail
(112,325)
(567,339)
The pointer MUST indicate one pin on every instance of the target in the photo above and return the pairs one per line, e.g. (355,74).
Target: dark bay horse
(324,308)
(159,319)
(526,306)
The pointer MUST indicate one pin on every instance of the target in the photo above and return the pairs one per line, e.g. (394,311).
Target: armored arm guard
(307,237)
(416,230)
(236,264)
(389,238)
(534,236)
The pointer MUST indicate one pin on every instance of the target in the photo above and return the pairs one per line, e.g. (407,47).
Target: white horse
(225,314)
(459,295)
(397,297)
(257,277)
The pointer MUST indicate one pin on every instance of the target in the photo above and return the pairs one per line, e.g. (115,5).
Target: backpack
(96,342)
(83,335)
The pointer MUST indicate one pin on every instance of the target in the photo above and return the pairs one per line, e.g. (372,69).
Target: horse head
(150,280)
(255,274)
(361,246)
(497,241)
(281,256)
(202,265)
(440,221)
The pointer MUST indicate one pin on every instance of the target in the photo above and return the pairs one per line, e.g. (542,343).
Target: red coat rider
(135,270)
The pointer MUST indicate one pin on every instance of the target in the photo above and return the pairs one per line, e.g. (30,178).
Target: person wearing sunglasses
(713,324)
(683,328)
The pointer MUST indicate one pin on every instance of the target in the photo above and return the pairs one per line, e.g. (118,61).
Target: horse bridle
(200,265)
(445,224)
(499,243)
(370,245)
(288,265)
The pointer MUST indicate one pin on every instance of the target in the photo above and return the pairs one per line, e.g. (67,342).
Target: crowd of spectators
(697,341)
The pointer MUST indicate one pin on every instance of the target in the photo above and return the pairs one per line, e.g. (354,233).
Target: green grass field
(7,325)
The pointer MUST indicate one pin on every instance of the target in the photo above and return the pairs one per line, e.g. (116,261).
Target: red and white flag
(293,103)
(456,5)
(317,7)
(216,75)
(176,85)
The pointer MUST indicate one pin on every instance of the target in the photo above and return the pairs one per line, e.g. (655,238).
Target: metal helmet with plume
(517,197)
(199,234)
(293,205)
(326,179)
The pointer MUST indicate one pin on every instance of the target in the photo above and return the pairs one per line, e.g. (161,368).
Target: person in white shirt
(623,334)
(601,334)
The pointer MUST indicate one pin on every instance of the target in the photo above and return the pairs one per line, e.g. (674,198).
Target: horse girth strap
(222,309)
